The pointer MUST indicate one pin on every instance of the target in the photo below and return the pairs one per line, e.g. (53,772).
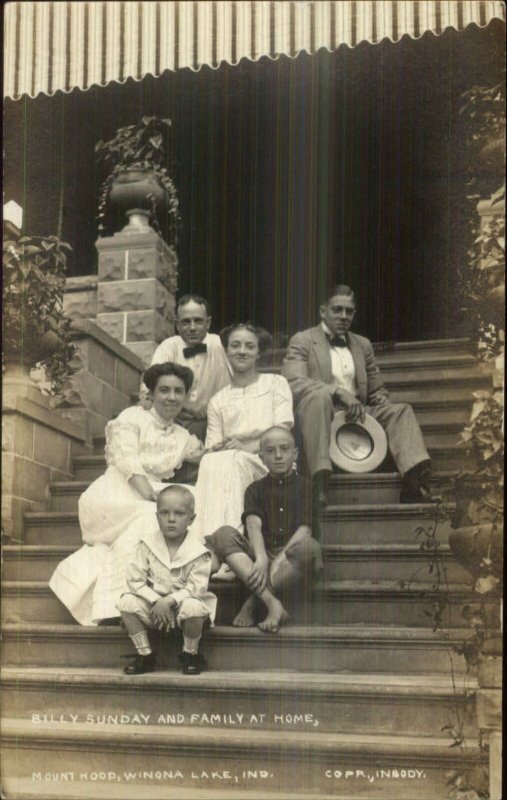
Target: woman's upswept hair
(264,339)
(156,371)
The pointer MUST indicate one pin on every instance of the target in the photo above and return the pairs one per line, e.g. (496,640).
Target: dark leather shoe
(191,663)
(203,663)
(141,664)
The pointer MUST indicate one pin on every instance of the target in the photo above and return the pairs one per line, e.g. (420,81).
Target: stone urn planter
(137,191)
(138,184)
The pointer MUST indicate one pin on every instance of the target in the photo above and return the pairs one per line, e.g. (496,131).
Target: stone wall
(137,281)
(80,298)
(40,434)
(36,449)
(107,380)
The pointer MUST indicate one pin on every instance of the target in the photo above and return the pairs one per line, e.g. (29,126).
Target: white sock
(191,645)
(141,643)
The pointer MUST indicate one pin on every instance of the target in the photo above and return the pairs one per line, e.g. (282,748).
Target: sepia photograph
(252,399)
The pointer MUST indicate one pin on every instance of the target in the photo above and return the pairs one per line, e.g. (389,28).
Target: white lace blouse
(140,442)
(245,413)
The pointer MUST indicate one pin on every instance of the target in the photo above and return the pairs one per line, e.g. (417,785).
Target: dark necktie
(194,350)
(337,341)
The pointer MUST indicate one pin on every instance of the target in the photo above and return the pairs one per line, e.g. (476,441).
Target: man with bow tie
(329,368)
(200,350)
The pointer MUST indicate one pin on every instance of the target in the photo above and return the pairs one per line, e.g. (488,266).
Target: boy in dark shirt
(278,549)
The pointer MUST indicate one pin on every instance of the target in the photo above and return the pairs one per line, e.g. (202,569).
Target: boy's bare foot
(277,617)
(245,617)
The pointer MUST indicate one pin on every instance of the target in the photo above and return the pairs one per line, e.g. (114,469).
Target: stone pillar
(137,281)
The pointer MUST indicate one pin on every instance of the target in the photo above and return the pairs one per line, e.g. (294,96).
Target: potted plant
(34,326)
(138,184)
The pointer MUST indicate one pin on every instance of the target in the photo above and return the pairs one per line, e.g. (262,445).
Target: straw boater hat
(357,446)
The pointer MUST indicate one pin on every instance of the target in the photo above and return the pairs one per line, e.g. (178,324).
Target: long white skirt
(220,489)
(112,516)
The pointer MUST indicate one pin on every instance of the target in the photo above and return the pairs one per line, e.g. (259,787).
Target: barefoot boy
(168,580)
(278,550)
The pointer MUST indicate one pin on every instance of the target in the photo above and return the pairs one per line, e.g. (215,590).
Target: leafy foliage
(482,278)
(34,326)
(470,786)
(141,146)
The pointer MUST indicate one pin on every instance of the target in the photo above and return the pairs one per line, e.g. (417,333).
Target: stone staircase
(351,700)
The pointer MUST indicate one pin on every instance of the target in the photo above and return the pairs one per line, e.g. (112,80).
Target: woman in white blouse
(143,450)
(238,415)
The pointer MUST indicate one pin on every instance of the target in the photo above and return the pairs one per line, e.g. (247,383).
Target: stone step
(335,649)
(294,761)
(374,488)
(462,371)
(445,458)
(33,562)
(378,487)
(345,524)
(43,786)
(450,459)
(340,602)
(407,563)
(383,602)
(385,523)
(448,351)
(366,562)
(271,701)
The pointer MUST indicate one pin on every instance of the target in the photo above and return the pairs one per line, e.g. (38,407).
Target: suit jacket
(307,367)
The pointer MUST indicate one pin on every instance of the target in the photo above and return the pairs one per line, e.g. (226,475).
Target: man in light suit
(329,368)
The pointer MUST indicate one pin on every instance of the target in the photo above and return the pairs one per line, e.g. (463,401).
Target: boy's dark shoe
(141,664)
(192,663)
(203,662)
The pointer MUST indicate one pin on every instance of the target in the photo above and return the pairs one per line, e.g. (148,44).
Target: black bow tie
(337,341)
(194,350)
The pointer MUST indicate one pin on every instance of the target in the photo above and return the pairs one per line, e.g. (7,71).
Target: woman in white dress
(237,417)
(143,450)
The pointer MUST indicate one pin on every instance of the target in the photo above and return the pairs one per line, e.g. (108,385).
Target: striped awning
(57,46)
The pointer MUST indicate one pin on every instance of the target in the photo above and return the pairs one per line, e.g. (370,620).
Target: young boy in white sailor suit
(168,584)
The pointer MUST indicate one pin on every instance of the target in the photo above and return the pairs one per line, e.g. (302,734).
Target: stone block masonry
(137,282)
(41,434)
(36,449)
(80,298)
(105,384)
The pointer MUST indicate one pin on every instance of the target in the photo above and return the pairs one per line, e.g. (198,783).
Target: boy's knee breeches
(227,540)
(301,555)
